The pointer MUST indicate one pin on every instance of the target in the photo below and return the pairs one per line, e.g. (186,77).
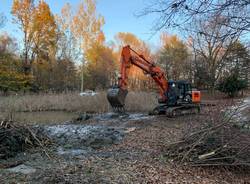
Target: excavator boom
(116,95)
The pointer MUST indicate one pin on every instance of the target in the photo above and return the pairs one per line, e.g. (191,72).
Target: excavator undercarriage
(180,110)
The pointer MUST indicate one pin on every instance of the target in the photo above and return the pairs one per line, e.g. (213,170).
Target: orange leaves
(140,46)
(23,10)
(170,41)
(101,38)
(38,25)
(127,39)
(33,18)
(44,25)
(21,7)
(100,68)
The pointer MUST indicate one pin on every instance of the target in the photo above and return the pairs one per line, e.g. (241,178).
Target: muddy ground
(111,148)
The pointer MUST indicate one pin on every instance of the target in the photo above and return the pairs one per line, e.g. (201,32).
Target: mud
(121,117)
(78,136)
(23,169)
(76,139)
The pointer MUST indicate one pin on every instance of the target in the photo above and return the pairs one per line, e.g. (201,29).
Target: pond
(45,117)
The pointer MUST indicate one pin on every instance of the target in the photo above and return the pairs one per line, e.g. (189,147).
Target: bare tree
(178,13)
(211,41)
(7,44)
(2,19)
(173,56)
(23,12)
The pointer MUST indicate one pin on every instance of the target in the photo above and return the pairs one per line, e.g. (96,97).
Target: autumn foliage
(69,51)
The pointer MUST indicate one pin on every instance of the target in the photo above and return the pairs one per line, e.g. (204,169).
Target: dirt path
(135,155)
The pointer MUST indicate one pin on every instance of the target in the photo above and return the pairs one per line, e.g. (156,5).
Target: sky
(119,17)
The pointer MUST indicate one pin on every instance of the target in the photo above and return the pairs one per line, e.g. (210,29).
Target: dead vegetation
(73,102)
(15,138)
(216,141)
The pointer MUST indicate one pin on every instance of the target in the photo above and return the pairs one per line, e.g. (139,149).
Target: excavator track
(183,110)
(176,111)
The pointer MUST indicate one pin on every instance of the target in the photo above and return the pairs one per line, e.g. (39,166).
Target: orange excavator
(176,97)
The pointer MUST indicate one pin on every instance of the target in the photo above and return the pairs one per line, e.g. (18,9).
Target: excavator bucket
(116,97)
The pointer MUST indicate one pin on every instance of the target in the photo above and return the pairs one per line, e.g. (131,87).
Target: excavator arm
(116,95)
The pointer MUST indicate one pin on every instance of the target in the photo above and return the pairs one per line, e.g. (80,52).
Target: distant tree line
(68,52)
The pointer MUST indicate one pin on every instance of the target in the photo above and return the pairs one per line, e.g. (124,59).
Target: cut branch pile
(216,142)
(15,138)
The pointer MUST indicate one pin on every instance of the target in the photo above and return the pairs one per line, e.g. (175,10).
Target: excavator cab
(181,92)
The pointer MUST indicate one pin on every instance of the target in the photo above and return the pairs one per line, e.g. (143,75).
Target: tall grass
(73,102)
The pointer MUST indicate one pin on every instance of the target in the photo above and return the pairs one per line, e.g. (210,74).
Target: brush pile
(216,141)
(15,138)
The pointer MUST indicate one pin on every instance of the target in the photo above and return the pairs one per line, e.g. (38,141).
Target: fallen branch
(215,142)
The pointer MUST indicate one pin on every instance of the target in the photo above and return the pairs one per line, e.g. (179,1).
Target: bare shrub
(15,138)
(215,141)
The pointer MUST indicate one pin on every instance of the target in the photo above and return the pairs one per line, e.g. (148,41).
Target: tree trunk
(82,77)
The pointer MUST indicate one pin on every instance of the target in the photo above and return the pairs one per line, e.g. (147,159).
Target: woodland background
(68,51)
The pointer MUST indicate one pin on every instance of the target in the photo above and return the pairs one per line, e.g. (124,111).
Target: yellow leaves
(100,59)
(127,39)
(23,10)
(43,22)
(174,47)
(170,41)
(86,24)
(38,25)
(124,39)
(99,53)
(20,7)
(101,38)
(100,67)
(15,7)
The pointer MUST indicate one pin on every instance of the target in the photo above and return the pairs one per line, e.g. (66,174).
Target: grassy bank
(73,102)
